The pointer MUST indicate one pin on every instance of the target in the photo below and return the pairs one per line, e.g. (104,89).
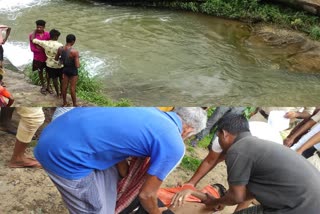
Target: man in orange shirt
(4,93)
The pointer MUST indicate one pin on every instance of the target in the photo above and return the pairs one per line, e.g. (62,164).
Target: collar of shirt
(242,135)
(175,118)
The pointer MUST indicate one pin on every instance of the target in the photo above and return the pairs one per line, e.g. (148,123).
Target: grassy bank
(250,11)
(88,88)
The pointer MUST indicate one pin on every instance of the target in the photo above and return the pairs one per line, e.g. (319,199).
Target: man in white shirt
(54,68)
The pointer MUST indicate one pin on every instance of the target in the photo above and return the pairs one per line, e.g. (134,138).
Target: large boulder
(312,6)
(299,53)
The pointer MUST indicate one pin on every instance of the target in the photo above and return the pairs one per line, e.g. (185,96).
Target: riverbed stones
(300,54)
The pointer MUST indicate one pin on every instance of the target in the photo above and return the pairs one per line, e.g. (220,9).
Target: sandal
(35,164)
(43,91)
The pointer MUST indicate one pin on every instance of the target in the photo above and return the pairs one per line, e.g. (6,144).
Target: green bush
(315,32)
(190,163)
(254,11)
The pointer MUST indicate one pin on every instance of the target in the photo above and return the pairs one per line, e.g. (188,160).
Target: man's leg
(55,84)
(48,79)
(65,82)
(95,193)
(60,83)
(1,56)
(26,130)
(5,120)
(73,84)
(40,73)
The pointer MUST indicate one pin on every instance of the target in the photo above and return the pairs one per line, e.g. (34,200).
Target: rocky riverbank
(300,53)
(27,94)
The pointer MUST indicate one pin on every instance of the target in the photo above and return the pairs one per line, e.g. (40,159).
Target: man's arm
(235,195)
(10,102)
(296,114)
(148,194)
(302,130)
(42,43)
(7,35)
(207,164)
(58,54)
(76,59)
(179,198)
(311,142)
(6,94)
(34,48)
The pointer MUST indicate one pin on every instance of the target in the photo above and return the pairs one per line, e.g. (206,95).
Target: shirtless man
(7,30)
(69,57)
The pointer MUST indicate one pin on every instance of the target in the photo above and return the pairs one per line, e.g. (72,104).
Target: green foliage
(32,76)
(100,100)
(315,32)
(88,88)
(190,149)
(210,111)
(190,163)
(248,111)
(85,82)
(193,6)
(297,23)
(254,11)
(206,140)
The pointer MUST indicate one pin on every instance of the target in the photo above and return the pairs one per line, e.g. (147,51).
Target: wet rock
(311,6)
(299,52)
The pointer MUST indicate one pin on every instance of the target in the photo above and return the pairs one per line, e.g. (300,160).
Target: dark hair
(1,77)
(41,23)
(70,38)
(233,123)
(54,33)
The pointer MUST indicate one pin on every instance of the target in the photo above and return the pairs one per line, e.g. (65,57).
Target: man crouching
(80,150)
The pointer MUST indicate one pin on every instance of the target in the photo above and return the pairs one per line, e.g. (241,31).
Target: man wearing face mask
(79,151)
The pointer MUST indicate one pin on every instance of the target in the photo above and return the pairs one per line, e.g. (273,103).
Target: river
(163,57)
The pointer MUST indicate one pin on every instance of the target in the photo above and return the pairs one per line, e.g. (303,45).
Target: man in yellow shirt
(54,68)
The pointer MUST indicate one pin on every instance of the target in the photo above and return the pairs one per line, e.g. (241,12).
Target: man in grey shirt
(280,179)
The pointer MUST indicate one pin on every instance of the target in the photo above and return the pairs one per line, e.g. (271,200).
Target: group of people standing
(51,59)
(57,61)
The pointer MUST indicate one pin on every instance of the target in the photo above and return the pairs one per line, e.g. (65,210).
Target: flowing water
(163,57)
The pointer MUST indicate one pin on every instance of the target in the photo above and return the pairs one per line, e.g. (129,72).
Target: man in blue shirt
(79,151)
